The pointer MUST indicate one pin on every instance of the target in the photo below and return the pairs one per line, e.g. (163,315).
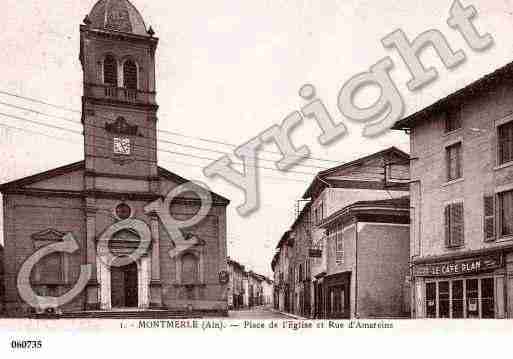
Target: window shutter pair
(489,218)
(454,225)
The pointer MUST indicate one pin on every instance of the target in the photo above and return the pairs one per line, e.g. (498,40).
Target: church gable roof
(70,178)
(173,177)
(44,178)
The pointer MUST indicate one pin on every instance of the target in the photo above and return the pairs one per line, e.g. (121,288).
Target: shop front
(336,291)
(463,288)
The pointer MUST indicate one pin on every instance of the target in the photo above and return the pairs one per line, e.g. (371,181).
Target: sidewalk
(288,314)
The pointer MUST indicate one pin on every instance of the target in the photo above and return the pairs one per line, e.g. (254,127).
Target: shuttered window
(110,71)
(453,159)
(506,213)
(130,75)
(452,120)
(505,142)
(454,225)
(339,244)
(489,217)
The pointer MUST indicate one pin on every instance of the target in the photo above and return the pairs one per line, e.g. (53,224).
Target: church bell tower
(119,110)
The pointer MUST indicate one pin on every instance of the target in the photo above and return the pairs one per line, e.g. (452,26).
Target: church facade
(105,200)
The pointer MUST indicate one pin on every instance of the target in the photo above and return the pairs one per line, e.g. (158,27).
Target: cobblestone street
(256,313)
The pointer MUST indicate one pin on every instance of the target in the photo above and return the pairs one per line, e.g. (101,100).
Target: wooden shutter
(110,71)
(489,218)
(458,224)
(458,156)
(447,225)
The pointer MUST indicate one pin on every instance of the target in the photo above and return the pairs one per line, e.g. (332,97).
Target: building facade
(255,289)
(461,196)
(300,262)
(283,277)
(379,176)
(305,265)
(236,285)
(367,250)
(103,201)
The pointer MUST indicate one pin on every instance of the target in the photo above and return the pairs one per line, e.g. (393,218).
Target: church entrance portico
(126,286)
(124,270)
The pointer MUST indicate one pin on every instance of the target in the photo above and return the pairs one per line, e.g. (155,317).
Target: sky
(226,71)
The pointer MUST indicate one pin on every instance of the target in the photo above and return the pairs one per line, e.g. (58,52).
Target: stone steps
(123,314)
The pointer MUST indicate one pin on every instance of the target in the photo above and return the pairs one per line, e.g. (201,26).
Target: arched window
(110,71)
(130,75)
(189,269)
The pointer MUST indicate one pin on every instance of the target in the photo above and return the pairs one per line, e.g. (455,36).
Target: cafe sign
(468,266)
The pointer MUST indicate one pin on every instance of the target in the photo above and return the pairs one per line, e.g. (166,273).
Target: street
(256,313)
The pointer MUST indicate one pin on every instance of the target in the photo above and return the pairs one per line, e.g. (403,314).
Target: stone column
(144,275)
(104,284)
(155,282)
(92,295)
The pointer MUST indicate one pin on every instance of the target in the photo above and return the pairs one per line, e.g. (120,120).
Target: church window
(50,269)
(130,75)
(123,211)
(190,266)
(110,71)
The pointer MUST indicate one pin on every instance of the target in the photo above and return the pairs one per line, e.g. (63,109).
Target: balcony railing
(119,94)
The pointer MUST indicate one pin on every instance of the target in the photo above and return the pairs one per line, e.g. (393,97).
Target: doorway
(124,286)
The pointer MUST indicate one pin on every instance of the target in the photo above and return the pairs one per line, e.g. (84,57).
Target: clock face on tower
(122,146)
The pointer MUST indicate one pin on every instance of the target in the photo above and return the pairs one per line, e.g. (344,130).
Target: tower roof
(117,15)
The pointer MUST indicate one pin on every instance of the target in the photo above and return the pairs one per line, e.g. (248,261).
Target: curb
(289,314)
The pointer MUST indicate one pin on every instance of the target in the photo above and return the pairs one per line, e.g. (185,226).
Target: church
(99,199)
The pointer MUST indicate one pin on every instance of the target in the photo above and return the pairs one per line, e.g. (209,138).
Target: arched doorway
(124,286)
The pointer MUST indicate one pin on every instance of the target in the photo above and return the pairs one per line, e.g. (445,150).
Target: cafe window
(472,298)
(431,300)
(444,299)
(453,161)
(506,213)
(505,143)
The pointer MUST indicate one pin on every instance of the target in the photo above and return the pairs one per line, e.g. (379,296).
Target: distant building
(268,295)
(255,289)
(462,201)
(236,285)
